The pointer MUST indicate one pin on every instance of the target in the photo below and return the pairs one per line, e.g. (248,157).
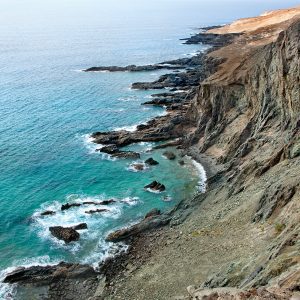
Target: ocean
(48,109)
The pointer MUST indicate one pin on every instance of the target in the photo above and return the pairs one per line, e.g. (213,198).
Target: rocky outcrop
(155,187)
(151,162)
(67,206)
(217,40)
(62,281)
(67,234)
(134,68)
(114,151)
(169,155)
(145,225)
(138,166)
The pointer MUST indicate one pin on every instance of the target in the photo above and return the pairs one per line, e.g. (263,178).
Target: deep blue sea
(48,108)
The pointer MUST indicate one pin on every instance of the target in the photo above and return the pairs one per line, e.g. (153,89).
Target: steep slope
(243,233)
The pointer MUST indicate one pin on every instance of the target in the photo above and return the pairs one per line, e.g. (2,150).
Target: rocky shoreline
(235,109)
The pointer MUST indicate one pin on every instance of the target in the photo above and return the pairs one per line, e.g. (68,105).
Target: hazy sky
(26,13)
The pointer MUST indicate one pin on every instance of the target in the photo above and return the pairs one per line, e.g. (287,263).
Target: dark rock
(68,206)
(114,151)
(67,234)
(62,281)
(181,162)
(109,149)
(169,155)
(134,68)
(126,155)
(100,210)
(152,213)
(155,186)
(80,226)
(150,161)
(47,274)
(48,213)
(215,40)
(143,226)
(104,202)
(177,142)
(138,167)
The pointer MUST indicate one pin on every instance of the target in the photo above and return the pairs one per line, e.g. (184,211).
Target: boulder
(181,162)
(155,186)
(138,167)
(169,155)
(67,234)
(151,162)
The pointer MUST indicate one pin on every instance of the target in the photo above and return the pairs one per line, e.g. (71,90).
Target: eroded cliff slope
(243,233)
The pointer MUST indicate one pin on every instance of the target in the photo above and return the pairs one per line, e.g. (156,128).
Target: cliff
(241,238)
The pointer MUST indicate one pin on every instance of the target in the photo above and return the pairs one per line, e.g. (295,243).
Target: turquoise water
(48,108)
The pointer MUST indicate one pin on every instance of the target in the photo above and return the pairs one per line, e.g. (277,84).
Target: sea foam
(202,176)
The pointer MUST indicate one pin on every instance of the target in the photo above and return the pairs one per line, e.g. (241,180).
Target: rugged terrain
(243,232)
(240,239)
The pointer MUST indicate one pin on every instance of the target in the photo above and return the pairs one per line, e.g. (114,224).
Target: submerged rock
(151,162)
(93,211)
(48,213)
(138,167)
(155,186)
(169,155)
(67,234)
(104,202)
(181,162)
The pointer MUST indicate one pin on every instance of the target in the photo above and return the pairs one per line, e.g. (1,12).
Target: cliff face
(247,116)
(239,240)
(261,91)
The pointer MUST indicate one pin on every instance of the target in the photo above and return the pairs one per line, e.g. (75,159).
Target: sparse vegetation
(279,227)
